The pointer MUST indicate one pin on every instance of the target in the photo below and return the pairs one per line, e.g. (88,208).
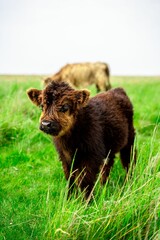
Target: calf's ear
(82,97)
(35,96)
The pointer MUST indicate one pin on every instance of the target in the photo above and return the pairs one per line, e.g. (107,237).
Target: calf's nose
(50,127)
(46,123)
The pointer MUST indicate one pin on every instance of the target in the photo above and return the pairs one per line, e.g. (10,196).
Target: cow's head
(60,104)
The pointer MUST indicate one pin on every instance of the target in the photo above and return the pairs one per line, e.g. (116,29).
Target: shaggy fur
(86,130)
(84,74)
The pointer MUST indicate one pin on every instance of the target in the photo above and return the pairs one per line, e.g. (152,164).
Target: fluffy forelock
(55,89)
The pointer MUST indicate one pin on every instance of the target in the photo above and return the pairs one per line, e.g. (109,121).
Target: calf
(83,74)
(86,131)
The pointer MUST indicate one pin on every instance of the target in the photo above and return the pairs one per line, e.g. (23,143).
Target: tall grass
(33,203)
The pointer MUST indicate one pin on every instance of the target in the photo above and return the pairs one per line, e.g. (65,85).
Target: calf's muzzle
(50,127)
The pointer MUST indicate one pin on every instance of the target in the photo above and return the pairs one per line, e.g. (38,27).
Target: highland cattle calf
(87,132)
(84,74)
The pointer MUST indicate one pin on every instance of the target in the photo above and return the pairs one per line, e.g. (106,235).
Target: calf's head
(60,104)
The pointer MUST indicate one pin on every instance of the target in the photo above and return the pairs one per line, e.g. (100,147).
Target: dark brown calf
(86,131)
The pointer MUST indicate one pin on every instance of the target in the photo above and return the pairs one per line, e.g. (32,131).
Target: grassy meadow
(33,202)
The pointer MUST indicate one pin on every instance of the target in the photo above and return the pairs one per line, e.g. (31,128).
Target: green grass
(33,201)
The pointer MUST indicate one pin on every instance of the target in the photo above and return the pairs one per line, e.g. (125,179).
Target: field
(33,202)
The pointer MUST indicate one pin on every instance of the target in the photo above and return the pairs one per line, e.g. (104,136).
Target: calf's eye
(64,108)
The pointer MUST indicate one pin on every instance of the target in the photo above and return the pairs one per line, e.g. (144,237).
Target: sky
(40,36)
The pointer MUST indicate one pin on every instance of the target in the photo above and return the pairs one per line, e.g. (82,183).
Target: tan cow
(84,74)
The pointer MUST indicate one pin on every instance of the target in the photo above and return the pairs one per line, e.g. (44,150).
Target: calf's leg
(106,168)
(127,152)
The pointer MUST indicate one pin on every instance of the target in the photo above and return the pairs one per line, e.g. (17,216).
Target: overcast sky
(40,36)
